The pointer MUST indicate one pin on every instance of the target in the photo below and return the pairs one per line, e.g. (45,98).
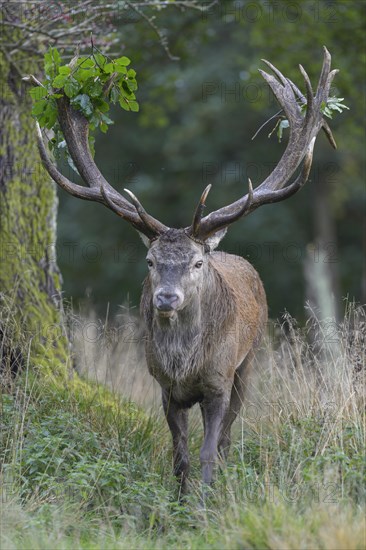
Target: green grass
(83,467)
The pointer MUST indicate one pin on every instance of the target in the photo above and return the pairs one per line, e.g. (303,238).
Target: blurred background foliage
(197,117)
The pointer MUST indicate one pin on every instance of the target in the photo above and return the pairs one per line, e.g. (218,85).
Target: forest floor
(86,464)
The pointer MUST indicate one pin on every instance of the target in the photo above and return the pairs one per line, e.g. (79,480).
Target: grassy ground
(83,467)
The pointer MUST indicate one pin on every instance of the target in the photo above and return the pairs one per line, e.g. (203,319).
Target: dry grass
(319,369)
(295,477)
(113,354)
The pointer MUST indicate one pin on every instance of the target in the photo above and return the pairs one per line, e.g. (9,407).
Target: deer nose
(167,301)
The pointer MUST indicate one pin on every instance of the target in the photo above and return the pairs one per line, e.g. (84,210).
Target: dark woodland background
(197,117)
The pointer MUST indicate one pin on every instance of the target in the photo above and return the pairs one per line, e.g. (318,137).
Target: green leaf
(91,141)
(333,104)
(102,105)
(83,103)
(104,127)
(51,143)
(122,61)
(131,73)
(71,163)
(50,115)
(71,87)
(61,144)
(124,103)
(94,120)
(56,145)
(38,92)
(132,84)
(59,81)
(85,62)
(121,69)
(125,90)
(134,106)
(114,94)
(106,119)
(39,107)
(100,59)
(52,60)
(84,74)
(282,125)
(328,112)
(335,107)
(109,68)
(93,88)
(65,70)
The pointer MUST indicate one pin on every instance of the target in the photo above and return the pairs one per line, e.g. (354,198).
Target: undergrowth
(83,466)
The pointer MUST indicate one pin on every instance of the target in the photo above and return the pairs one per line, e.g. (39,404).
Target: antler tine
(110,204)
(325,80)
(297,91)
(309,91)
(229,216)
(328,133)
(325,71)
(199,211)
(274,69)
(155,226)
(152,227)
(284,95)
(137,204)
(329,81)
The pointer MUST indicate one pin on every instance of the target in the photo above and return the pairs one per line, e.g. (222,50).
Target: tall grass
(79,472)
(112,353)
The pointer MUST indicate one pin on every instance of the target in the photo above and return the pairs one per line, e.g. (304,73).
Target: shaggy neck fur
(183,344)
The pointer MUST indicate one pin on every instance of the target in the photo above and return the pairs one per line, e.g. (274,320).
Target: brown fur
(200,354)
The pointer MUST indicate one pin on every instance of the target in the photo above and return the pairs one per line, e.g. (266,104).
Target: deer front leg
(213,411)
(177,419)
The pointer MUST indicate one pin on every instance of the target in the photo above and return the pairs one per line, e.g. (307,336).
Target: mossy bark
(30,282)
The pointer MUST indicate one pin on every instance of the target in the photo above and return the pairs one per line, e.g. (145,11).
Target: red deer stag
(205,312)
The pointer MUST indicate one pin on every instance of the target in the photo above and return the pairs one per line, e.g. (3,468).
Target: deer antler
(75,129)
(303,132)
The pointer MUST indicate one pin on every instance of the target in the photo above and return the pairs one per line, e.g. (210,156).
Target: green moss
(29,277)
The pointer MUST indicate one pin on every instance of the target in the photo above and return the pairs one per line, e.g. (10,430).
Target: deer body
(220,323)
(205,312)
(195,351)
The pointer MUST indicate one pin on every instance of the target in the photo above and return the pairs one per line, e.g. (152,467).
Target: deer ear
(145,239)
(213,241)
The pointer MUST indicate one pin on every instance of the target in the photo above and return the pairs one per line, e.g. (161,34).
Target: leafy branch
(91,83)
(333,104)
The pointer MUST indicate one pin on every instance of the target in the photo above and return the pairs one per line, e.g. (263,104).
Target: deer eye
(199,264)
(149,262)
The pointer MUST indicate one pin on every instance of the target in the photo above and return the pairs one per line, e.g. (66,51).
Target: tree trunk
(30,314)
(322,275)
(322,263)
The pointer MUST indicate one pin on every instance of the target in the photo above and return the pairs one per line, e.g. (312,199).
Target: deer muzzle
(167,301)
